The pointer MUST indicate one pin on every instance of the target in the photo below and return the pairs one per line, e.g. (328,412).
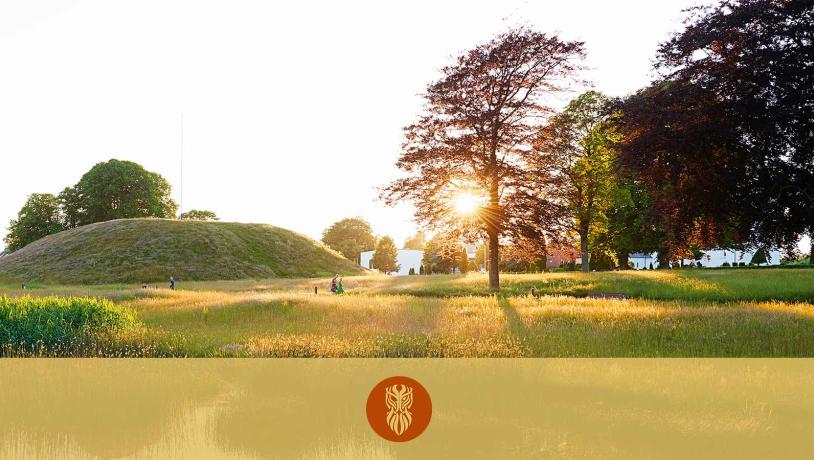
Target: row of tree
(109,190)
(717,152)
(354,235)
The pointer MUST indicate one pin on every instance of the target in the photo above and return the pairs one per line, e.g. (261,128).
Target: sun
(466,204)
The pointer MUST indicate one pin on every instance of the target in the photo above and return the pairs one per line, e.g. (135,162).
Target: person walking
(339,288)
(172,283)
(335,283)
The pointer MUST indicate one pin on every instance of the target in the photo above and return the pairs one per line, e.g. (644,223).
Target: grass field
(766,312)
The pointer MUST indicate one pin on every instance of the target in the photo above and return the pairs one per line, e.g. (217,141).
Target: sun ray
(467,204)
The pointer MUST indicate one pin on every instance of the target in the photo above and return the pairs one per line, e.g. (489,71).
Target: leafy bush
(759,257)
(198,214)
(45,323)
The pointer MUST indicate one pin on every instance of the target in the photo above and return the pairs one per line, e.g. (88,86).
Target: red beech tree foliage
(474,138)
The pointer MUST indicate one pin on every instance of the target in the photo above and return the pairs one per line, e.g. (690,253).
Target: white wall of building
(642,261)
(711,258)
(405,259)
(717,257)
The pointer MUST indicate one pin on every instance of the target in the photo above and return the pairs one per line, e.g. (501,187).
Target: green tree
(386,255)
(759,257)
(350,236)
(40,216)
(72,211)
(482,255)
(441,254)
(117,190)
(463,262)
(631,226)
(417,241)
(578,143)
(198,214)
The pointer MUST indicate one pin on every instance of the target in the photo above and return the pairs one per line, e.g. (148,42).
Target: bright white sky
(292,111)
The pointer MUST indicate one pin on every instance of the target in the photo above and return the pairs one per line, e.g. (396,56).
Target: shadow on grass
(689,285)
(517,328)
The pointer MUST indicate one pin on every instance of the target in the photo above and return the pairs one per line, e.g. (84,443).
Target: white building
(405,259)
(710,258)
(717,257)
(471,251)
(643,260)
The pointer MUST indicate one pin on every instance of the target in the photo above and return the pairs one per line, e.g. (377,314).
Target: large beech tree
(475,133)
(725,141)
(680,141)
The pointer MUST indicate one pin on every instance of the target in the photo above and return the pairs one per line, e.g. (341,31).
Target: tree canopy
(632,224)
(474,137)
(385,258)
(417,241)
(350,236)
(442,254)
(198,214)
(759,257)
(723,141)
(110,190)
(40,216)
(117,189)
(578,145)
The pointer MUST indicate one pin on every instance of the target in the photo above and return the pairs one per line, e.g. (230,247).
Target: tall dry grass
(673,313)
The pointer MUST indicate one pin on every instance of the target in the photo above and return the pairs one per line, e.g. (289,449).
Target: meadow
(675,313)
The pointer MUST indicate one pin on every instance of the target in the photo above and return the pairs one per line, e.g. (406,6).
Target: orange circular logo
(399,409)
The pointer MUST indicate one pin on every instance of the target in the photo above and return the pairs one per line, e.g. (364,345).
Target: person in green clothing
(339,289)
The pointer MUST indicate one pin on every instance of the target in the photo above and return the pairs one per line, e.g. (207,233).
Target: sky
(292,111)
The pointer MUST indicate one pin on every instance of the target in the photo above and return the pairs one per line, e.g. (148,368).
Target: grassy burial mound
(148,250)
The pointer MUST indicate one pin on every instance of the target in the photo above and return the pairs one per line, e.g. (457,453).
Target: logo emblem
(399,401)
(399,409)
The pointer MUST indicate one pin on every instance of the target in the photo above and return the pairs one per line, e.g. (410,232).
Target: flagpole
(181,175)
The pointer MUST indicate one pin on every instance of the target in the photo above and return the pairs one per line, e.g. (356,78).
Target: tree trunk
(664,258)
(494,260)
(623,260)
(811,248)
(583,242)
(544,268)
(493,221)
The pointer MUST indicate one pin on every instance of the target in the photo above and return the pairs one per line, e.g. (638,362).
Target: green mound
(151,250)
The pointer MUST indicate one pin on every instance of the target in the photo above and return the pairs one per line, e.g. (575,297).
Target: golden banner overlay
(481,408)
